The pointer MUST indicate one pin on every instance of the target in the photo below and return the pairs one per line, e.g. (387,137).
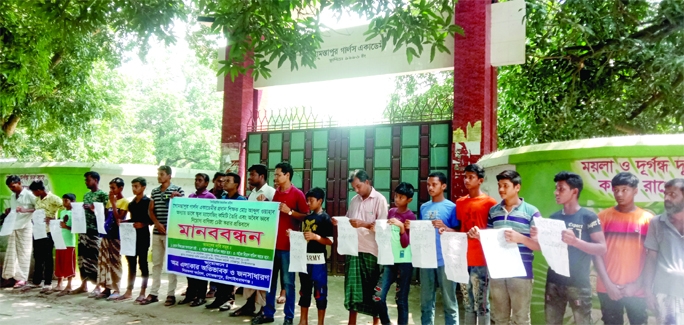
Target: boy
(584,238)
(619,284)
(42,248)
(20,241)
(510,298)
(109,266)
(318,231)
(442,212)
(140,217)
(65,259)
(473,211)
(402,269)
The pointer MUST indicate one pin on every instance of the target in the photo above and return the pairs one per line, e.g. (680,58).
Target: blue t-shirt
(445,211)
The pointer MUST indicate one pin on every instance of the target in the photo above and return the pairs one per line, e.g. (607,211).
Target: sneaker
(261,319)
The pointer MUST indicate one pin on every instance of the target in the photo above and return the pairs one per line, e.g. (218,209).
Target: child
(472,210)
(442,212)
(402,269)
(318,231)
(65,264)
(109,263)
(585,239)
(511,297)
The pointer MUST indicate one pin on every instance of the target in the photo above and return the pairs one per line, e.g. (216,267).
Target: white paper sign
(39,226)
(128,236)
(423,244)
(383,237)
(455,254)
(347,237)
(553,248)
(78,222)
(297,252)
(503,258)
(8,224)
(100,217)
(56,231)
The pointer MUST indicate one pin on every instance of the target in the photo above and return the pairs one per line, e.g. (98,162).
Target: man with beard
(664,270)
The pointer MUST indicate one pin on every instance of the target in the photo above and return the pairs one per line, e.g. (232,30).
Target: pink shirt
(372,208)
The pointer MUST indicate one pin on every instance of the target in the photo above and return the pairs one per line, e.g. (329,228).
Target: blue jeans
(281,264)
(401,274)
(429,278)
(476,293)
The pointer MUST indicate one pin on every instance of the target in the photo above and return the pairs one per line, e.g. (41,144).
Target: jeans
(281,265)
(476,293)
(613,310)
(401,274)
(158,255)
(510,300)
(42,254)
(314,282)
(558,297)
(429,279)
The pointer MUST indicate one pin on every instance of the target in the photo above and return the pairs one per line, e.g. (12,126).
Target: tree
(594,68)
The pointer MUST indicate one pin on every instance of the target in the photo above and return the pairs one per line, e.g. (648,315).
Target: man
(262,192)
(19,242)
(159,213)
(293,209)
(511,297)
(218,189)
(139,209)
(89,243)
(473,211)
(362,271)
(42,248)
(585,240)
(619,284)
(664,270)
(231,186)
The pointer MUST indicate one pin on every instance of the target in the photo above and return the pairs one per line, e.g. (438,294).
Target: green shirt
(66,233)
(401,255)
(90,198)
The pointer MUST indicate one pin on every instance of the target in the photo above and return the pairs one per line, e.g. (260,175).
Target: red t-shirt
(295,200)
(473,212)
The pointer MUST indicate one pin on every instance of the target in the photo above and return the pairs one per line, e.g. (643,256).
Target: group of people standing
(638,257)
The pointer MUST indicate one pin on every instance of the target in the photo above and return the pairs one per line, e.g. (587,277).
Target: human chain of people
(280,232)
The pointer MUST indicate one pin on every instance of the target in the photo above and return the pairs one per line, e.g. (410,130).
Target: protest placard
(128,236)
(297,252)
(455,254)
(347,237)
(383,237)
(78,222)
(503,258)
(39,226)
(423,244)
(553,248)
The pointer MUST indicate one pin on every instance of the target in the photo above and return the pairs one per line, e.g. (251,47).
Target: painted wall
(654,159)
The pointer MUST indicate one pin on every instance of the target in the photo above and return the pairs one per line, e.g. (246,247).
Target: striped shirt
(520,220)
(161,203)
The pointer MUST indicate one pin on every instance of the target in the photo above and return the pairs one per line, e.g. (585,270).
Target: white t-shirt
(266,190)
(25,200)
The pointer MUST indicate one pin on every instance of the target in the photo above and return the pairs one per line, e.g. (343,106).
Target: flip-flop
(63,293)
(114,296)
(139,300)
(78,290)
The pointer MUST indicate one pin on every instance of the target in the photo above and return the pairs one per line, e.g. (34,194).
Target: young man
(402,269)
(318,231)
(218,180)
(262,192)
(20,241)
(619,284)
(42,248)
(510,298)
(65,259)
(159,213)
(664,272)
(585,239)
(442,213)
(293,209)
(197,288)
(362,271)
(140,217)
(225,298)
(473,211)
(89,243)
(109,265)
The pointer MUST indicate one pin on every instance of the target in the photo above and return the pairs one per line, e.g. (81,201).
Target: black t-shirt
(583,223)
(319,224)
(139,212)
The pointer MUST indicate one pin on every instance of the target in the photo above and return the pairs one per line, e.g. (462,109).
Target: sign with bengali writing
(226,241)
(653,173)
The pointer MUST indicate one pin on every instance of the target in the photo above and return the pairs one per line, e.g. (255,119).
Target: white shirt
(25,200)
(266,190)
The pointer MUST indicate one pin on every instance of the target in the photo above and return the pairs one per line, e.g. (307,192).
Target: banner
(225,241)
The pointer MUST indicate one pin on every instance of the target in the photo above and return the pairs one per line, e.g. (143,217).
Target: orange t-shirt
(473,212)
(625,234)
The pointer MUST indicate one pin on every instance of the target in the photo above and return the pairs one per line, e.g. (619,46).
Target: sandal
(150,299)
(170,301)
(64,293)
(114,296)
(139,300)
(78,290)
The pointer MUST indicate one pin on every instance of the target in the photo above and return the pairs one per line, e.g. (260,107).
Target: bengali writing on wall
(653,173)
(350,52)
(227,241)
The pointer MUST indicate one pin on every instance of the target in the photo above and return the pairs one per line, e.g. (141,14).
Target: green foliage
(427,96)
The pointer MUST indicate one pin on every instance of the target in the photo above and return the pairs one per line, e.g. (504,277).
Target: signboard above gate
(345,53)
